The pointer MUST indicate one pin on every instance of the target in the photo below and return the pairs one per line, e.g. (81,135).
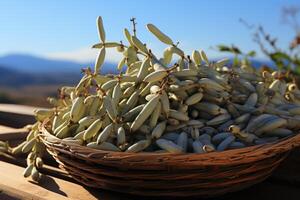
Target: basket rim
(254,153)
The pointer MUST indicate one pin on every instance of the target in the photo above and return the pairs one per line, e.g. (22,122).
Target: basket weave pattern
(167,174)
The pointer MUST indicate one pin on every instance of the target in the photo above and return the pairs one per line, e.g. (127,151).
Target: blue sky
(66,29)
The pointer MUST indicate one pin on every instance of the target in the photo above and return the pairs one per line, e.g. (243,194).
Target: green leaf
(297,71)
(224,48)
(236,61)
(280,56)
(251,53)
(297,62)
(236,50)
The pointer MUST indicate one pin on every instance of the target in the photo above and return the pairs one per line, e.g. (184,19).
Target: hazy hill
(13,78)
(34,64)
(18,70)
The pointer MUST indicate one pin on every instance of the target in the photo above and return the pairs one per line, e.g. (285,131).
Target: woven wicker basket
(166,174)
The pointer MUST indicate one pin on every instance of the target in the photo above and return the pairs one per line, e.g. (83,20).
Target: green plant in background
(287,60)
(240,57)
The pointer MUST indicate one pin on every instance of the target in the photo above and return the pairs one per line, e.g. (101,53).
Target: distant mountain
(18,70)
(7,76)
(13,79)
(33,64)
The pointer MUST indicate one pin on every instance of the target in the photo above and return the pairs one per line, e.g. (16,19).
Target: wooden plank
(49,168)
(11,134)
(6,128)
(15,120)
(17,109)
(6,196)
(49,188)
(16,115)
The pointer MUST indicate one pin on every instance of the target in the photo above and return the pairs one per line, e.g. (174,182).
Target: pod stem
(133,25)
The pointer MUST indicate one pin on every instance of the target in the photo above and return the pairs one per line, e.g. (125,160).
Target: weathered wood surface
(13,184)
(7,133)
(4,129)
(17,109)
(16,115)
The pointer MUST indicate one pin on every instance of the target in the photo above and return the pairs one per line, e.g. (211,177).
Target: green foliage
(286,62)
(239,55)
(224,48)
(285,59)
(251,54)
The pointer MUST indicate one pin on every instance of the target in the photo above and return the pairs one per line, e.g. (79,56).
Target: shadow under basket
(168,174)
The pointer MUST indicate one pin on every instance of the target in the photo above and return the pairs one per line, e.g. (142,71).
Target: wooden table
(16,115)
(57,185)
